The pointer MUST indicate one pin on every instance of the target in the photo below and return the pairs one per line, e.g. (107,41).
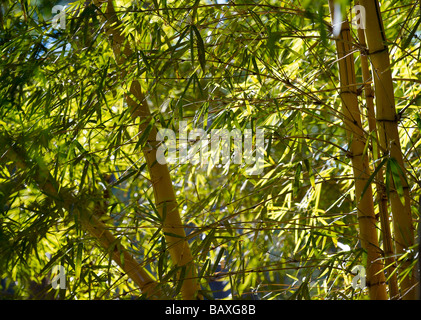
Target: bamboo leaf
(297,180)
(126,176)
(418,120)
(170,234)
(310,172)
(398,179)
(370,179)
(192,45)
(200,48)
(78,264)
(388,174)
(180,278)
(256,69)
(411,35)
(205,267)
(217,260)
(84,172)
(144,136)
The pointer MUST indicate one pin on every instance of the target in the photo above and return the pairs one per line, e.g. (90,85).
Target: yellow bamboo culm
(387,125)
(375,278)
(380,187)
(164,194)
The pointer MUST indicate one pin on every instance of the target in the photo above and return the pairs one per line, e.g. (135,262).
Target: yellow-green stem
(380,187)
(89,223)
(165,199)
(387,125)
(352,119)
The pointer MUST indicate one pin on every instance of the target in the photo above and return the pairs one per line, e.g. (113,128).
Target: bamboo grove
(336,87)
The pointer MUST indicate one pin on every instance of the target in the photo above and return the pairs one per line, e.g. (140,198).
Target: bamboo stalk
(387,124)
(165,199)
(365,207)
(380,187)
(49,186)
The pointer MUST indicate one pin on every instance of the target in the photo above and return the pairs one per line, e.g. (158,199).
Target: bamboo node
(379,283)
(367,217)
(378,51)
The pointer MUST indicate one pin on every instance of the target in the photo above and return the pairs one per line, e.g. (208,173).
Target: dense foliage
(288,233)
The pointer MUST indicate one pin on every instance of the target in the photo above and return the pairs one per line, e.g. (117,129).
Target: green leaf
(170,234)
(84,172)
(311,173)
(411,35)
(399,180)
(205,267)
(144,136)
(297,178)
(180,278)
(418,120)
(218,259)
(192,45)
(388,174)
(179,104)
(256,70)
(78,264)
(370,179)
(200,48)
(126,176)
